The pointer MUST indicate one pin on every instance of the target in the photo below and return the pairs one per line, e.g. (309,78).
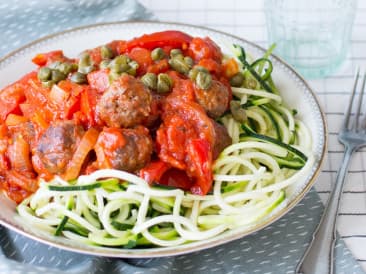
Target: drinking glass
(312,35)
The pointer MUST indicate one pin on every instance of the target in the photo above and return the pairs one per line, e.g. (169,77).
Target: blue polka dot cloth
(275,249)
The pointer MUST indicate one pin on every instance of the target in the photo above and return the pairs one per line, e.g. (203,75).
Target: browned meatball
(57,145)
(214,100)
(126,103)
(222,139)
(124,149)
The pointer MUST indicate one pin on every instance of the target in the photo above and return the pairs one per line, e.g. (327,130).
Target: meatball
(214,100)
(124,149)
(222,139)
(57,145)
(126,103)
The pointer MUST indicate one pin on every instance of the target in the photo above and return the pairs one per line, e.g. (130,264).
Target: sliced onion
(86,145)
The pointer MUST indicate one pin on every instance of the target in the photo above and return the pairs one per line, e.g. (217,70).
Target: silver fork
(319,256)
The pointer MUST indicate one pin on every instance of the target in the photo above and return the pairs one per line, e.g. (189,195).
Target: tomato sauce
(183,133)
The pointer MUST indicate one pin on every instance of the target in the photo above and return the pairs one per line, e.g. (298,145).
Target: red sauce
(183,134)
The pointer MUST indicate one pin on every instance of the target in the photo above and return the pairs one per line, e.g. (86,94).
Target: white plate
(294,90)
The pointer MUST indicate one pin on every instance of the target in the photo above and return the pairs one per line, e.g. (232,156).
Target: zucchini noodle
(271,150)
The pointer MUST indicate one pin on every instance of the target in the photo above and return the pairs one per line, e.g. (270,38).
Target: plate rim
(160,252)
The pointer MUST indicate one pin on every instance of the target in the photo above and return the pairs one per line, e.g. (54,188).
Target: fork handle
(318,258)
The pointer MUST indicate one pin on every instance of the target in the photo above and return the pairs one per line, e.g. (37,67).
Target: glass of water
(312,35)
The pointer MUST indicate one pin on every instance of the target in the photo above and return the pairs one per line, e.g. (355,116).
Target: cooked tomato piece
(13,95)
(153,171)
(211,65)
(159,66)
(43,59)
(230,68)
(142,57)
(99,80)
(176,178)
(118,46)
(204,48)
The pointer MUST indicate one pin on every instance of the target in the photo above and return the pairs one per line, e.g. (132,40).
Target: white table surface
(245,18)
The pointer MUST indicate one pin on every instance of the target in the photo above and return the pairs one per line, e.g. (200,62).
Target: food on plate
(156,141)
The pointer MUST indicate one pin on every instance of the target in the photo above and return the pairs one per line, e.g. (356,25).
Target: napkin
(275,249)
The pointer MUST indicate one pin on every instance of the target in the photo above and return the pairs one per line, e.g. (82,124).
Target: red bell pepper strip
(200,156)
(153,171)
(176,39)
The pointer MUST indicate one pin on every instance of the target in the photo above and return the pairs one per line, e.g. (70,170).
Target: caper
(189,61)
(65,67)
(133,68)
(157,54)
(150,80)
(193,72)
(85,59)
(57,75)
(44,74)
(86,69)
(164,84)
(120,59)
(119,68)
(104,64)
(48,84)
(203,80)
(237,111)
(237,80)
(85,64)
(54,65)
(250,83)
(106,52)
(175,52)
(179,65)
(113,76)
(78,78)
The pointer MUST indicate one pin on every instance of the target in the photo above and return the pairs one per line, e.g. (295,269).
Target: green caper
(237,111)
(86,69)
(104,64)
(44,74)
(65,67)
(133,68)
(48,84)
(84,59)
(54,65)
(106,52)
(157,54)
(189,61)
(78,78)
(176,52)
(193,72)
(119,68)
(57,75)
(237,80)
(150,80)
(250,83)
(113,76)
(164,84)
(179,65)
(85,64)
(121,59)
(203,80)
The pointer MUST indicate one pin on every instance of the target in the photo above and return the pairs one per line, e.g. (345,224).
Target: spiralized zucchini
(270,151)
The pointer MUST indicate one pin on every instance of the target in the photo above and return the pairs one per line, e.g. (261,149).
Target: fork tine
(360,100)
(349,108)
